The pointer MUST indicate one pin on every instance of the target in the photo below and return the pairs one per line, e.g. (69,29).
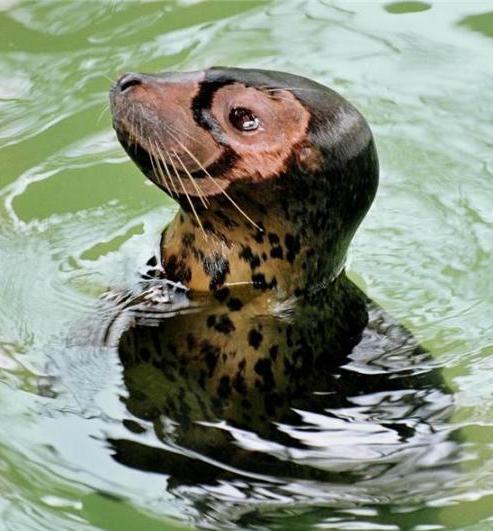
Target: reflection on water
(86,442)
(265,403)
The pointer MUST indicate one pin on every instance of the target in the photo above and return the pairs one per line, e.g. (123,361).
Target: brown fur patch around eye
(265,152)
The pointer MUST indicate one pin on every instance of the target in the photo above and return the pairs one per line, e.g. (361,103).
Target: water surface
(76,217)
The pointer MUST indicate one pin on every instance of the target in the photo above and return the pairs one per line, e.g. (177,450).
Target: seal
(273,174)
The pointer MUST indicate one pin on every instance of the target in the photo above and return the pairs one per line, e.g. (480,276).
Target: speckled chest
(235,254)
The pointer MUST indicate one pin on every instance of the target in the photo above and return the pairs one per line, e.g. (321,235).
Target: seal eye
(243,119)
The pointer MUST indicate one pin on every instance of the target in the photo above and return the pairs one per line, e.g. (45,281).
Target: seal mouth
(175,173)
(154,124)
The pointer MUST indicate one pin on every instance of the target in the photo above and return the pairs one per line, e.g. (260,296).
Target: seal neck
(227,250)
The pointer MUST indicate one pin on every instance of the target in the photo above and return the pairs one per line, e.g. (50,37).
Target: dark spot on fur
(221,294)
(259,233)
(188,239)
(263,368)
(208,226)
(252,258)
(177,270)
(152,262)
(211,356)
(293,247)
(224,324)
(259,282)
(276,252)
(239,383)
(235,305)
(254,338)
(211,320)
(227,221)
(273,352)
(191,342)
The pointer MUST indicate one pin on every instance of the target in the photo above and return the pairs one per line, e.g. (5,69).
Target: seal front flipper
(152,299)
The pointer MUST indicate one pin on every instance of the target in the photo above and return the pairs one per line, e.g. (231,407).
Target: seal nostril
(129,80)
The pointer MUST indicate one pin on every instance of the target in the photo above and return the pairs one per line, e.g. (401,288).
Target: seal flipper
(153,298)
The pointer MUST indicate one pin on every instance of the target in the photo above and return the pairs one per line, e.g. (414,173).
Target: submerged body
(273,174)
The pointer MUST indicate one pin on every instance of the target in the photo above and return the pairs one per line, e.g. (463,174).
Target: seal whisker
(156,166)
(162,158)
(186,194)
(108,78)
(141,129)
(199,191)
(192,180)
(172,128)
(128,118)
(132,125)
(101,114)
(158,169)
(230,199)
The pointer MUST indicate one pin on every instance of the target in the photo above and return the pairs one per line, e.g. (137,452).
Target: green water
(76,217)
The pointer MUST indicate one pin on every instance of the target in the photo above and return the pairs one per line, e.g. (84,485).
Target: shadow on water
(247,407)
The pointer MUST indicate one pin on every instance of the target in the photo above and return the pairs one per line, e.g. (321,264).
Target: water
(77,217)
